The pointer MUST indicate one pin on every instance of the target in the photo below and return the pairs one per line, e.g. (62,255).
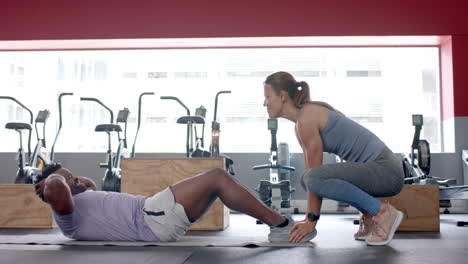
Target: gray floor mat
(190,241)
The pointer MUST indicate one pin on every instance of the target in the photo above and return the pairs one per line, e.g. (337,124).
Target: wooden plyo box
(148,176)
(420,206)
(21,208)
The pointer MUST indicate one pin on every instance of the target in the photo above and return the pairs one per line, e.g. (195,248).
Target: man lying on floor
(83,213)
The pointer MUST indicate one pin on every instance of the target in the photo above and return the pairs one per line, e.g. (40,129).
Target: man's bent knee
(218,171)
(217,175)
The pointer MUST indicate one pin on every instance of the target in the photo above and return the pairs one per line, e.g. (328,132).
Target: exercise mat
(186,241)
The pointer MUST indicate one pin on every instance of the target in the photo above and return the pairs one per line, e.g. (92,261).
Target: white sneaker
(281,234)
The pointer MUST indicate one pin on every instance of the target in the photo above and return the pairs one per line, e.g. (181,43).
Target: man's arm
(56,192)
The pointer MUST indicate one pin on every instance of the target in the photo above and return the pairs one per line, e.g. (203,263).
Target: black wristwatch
(312,217)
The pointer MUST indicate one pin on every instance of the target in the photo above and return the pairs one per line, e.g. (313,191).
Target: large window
(378,87)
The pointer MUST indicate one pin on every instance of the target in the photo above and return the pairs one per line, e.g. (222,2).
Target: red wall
(101,19)
(460,74)
(88,19)
(446,73)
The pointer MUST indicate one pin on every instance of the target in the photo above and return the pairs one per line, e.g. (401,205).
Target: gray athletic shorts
(166,218)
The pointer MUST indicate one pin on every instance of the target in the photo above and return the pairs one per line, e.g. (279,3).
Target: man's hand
(300,229)
(90,185)
(39,187)
(55,191)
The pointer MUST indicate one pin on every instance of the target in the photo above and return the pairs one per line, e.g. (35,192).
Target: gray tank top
(348,139)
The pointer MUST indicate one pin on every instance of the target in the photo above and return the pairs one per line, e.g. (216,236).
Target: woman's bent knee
(310,180)
(396,188)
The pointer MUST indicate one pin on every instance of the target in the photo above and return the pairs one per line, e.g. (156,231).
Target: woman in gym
(371,169)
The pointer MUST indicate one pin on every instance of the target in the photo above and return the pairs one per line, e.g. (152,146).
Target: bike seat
(191,119)
(108,128)
(18,126)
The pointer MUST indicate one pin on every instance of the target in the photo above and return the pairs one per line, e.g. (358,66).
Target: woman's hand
(300,229)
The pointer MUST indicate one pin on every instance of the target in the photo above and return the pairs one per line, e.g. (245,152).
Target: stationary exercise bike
(139,120)
(199,119)
(52,150)
(112,176)
(275,192)
(28,170)
(216,129)
(25,172)
(191,121)
(215,134)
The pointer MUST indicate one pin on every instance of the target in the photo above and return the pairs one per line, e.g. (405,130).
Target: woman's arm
(308,135)
(311,143)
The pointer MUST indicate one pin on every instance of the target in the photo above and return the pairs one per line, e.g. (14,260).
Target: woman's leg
(344,191)
(357,183)
(196,194)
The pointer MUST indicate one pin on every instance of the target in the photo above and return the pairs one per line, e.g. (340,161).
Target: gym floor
(333,244)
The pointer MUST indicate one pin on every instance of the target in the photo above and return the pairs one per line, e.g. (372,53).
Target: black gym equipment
(40,156)
(417,171)
(190,121)
(139,120)
(52,151)
(215,134)
(112,176)
(268,189)
(28,170)
(200,151)
(25,171)
(199,118)
(215,128)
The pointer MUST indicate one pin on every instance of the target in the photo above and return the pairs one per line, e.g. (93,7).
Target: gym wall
(125,19)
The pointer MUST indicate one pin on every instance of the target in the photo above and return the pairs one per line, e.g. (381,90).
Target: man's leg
(196,194)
